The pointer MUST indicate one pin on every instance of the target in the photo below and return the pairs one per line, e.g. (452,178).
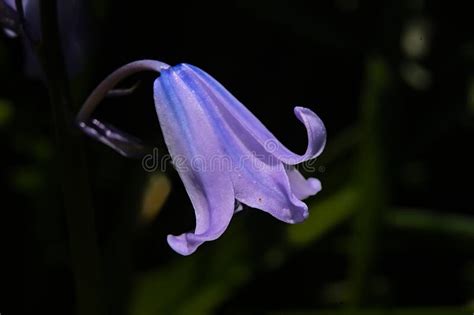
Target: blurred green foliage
(6,112)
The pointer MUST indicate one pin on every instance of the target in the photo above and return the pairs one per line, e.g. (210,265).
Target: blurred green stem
(84,252)
(425,220)
(370,184)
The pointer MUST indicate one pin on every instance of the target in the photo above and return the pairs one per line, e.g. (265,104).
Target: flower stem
(84,252)
(371,185)
(112,80)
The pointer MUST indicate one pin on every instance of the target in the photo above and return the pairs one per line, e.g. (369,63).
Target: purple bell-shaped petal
(201,120)
(227,157)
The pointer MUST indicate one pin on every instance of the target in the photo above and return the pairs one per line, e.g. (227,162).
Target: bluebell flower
(31,12)
(203,123)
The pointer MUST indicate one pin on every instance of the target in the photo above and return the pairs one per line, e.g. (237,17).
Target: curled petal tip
(301,187)
(300,216)
(316,130)
(315,185)
(187,243)
(296,214)
(181,245)
(293,219)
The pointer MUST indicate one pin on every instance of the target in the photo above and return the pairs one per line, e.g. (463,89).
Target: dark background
(392,228)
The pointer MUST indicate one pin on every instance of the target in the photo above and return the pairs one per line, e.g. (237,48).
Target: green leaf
(425,220)
(6,112)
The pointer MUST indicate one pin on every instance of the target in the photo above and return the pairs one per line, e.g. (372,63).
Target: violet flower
(31,12)
(202,121)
